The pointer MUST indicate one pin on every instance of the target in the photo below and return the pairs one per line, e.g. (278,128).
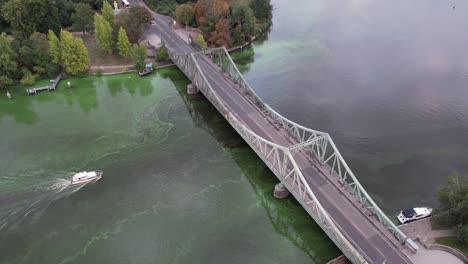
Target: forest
(38,37)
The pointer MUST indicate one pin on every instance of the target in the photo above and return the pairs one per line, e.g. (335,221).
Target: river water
(386,79)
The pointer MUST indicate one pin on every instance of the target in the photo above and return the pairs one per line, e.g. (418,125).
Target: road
(368,236)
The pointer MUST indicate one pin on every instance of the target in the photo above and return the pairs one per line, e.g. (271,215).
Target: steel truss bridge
(306,161)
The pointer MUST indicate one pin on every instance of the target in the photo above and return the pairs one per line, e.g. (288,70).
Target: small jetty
(148,69)
(50,87)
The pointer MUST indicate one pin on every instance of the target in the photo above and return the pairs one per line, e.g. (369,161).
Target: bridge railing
(320,144)
(278,158)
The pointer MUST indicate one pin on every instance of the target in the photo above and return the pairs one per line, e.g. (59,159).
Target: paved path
(423,230)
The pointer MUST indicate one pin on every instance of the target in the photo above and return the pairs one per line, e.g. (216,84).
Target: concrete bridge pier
(280,191)
(192,89)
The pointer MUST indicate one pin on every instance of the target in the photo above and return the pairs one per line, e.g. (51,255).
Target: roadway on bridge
(367,235)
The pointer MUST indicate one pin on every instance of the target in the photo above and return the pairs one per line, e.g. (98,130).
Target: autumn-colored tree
(222,35)
(184,14)
(210,11)
(200,14)
(219,9)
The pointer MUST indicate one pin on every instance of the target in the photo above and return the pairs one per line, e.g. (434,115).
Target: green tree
(135,21)
(201,41)
(82,17)
(123,44)
(104,35)
(43,15)
(262,9)
(162,54)
(65,10)
(8,65)
(74,54)
(107,12)
(55,47)
(28,77)
(16,13)
(453,199)
(243,16)
(184,14)
(139,56)
(34,54)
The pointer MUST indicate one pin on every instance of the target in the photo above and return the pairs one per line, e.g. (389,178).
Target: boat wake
(31,202)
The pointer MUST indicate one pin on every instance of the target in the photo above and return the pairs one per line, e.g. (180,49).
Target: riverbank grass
(452,242)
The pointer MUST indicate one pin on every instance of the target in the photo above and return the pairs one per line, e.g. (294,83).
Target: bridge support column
(192,89)
(280,191)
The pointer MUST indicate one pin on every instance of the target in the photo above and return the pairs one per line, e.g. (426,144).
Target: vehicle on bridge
(413,214)
(126,3)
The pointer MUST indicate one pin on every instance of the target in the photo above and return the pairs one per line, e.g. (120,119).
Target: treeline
(31,28)
(223,22)
(453,198)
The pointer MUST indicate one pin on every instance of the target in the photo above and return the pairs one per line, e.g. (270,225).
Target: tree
(34,54)
(15,13)
(123,44)
(74,53)
(453,199)
(43,15)
(219,9)
(55,47)
(162,54)
(139,56)
(107,12)
(221,36)
(8,65)
(104,37)
(184,14)
(82,17)
(243,16)
(262,9)
(201,41)
(65,10)
(135,21)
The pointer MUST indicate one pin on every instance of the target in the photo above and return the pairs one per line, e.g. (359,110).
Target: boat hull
(87,179)
(426,212)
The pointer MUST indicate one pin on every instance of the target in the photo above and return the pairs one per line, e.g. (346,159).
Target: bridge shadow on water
(287,216)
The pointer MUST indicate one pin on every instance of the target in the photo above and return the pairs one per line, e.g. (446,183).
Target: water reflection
(287,217)
(21,110)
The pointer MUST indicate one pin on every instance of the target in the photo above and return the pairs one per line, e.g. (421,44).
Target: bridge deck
(370,237)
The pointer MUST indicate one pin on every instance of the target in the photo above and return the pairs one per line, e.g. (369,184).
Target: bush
(99,72)
(462,234)
(28,77)
(162,54)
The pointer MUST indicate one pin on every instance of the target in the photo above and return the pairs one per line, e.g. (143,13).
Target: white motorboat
(413,214)
(85,177)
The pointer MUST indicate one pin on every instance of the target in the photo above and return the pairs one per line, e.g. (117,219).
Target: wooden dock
(51,87)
